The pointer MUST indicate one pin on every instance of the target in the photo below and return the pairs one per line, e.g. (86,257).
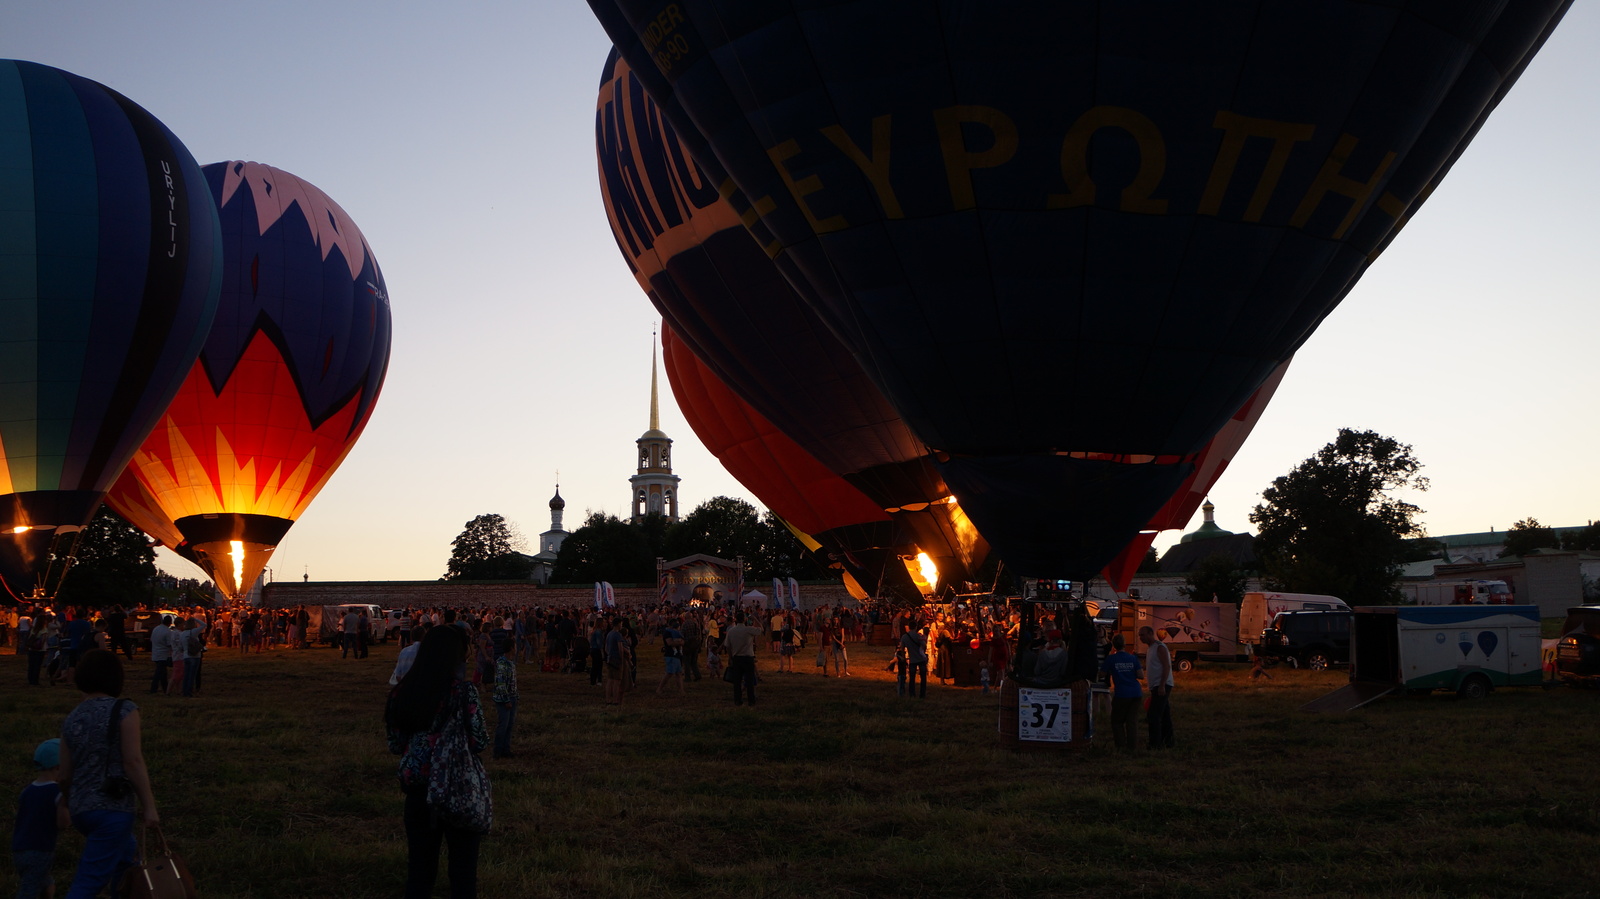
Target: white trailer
(1467,649)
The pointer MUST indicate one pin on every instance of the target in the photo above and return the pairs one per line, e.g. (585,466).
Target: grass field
(277,783)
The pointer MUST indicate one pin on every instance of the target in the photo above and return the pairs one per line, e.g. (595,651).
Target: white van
(1258,609)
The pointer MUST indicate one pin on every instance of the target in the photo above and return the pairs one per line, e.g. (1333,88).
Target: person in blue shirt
(33,840)
(1124,668)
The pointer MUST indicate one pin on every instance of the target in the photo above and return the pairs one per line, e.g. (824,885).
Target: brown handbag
(162,876)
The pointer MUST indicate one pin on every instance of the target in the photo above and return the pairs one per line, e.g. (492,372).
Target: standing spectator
(194,650)
(178,639)
(599,633)
(101,778)
(38,645)
(432,702)
(364,634)
(161,654)
(916,645)
(1158,662)
(616,662)
(899,665)
(505,698)
(694,636)
(1124,668)
(79,636)
(24,629)
(777,629)
(117,628)
(741,641)
(350,627)
(33,840)
(672,651)
(841,662)
(786,646)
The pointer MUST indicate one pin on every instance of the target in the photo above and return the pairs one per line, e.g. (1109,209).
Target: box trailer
(1190,629)
(1466,649)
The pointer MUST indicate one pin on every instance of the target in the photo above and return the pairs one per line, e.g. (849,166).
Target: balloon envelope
(287,379)
(721,294)
(110,264)
(1068,238)
(825,512)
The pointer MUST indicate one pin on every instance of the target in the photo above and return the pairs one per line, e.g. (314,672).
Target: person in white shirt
(1158,674)
(161,654)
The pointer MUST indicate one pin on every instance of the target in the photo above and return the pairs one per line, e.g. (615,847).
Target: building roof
(1185,557)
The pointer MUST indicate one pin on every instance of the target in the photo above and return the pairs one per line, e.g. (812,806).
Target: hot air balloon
(828,515)
(287,379)
(722,296)
(110,264)
(1208,468)
(1068,240)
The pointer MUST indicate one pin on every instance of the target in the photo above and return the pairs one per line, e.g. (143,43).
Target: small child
(33,843)
(713,662)
(983,675)
(900,666)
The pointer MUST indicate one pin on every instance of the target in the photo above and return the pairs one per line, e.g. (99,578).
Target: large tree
(1332,525)
(1528,535)
(115,564)
(727,528)
(1217,579)
(607,548)
(488,549)
(1586,539)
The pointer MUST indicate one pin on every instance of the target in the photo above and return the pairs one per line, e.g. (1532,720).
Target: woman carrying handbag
(103,776)
(435,725)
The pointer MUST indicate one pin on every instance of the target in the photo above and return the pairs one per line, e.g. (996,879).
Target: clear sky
(460,138)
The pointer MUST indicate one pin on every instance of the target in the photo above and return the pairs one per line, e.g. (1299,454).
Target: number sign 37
(1044,715)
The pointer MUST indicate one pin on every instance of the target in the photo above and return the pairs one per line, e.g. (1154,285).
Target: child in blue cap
(33,842)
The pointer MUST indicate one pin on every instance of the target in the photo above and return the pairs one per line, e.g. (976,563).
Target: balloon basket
(1036,726)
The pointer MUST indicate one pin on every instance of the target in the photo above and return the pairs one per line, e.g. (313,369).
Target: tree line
(607,548)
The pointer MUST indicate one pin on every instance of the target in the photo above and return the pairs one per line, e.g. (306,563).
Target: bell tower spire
(655,405)
(654,486)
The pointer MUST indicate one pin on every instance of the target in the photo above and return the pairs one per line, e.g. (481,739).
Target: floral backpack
(458,786)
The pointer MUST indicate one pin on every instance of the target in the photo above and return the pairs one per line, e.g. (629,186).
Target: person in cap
(33,840)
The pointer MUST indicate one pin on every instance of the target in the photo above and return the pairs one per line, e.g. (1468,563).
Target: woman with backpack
(435,724)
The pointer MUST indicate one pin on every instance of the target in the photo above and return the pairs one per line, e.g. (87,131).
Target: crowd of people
(434,714)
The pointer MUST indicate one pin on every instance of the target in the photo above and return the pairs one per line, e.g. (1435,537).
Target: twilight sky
(460,138)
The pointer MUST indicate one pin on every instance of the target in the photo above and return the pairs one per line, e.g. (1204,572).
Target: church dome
(654,434)
(556,502)
(1208,530)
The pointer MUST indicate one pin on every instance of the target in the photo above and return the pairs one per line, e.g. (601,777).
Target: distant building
(544,562)
(1206,541)
(655,487)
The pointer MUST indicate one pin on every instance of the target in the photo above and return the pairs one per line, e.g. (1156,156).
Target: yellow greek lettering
(802,188)
(960,161)
(1236,129)
(1331,180)
(1075,160)
(873,164)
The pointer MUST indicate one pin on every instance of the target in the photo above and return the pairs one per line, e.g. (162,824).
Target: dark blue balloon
(110,267)
(1060,232)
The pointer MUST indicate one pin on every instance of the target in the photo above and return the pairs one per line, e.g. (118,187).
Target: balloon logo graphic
(1172,631)
(1439,638)
(1465,643)
(1487,641)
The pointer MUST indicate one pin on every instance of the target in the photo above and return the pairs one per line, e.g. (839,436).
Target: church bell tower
(655,487)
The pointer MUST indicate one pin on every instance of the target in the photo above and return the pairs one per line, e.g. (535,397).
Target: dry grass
(276,783)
